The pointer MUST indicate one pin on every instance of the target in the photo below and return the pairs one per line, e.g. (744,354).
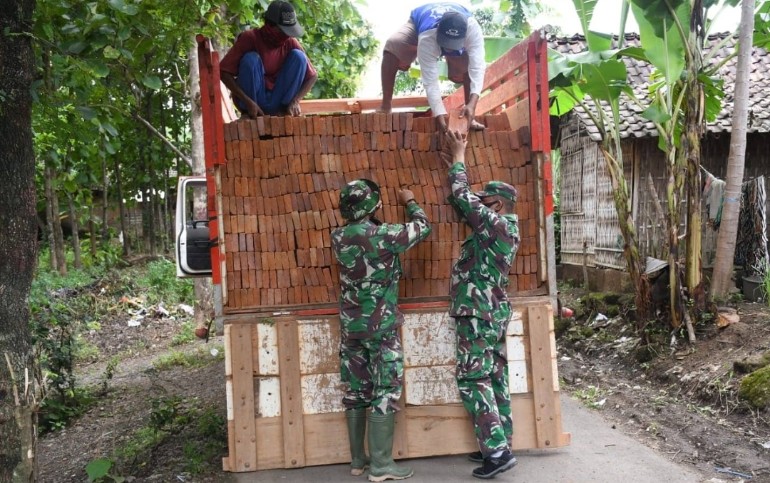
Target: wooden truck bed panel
(288,405)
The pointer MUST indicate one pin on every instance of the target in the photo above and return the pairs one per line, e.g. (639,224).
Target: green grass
(592,396)
(185,335)
(199,358)
(160,283)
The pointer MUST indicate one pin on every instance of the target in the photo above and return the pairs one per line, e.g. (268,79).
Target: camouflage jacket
(369,267)
(480,274)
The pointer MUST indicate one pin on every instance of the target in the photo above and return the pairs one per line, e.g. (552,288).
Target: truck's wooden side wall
(285,393)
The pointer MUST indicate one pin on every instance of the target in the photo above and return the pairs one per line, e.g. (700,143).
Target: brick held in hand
(457,123)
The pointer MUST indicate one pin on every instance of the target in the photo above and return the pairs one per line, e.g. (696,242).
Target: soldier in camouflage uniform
(372,361)
(480,307)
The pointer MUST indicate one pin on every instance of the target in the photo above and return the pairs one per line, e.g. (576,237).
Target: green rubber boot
(356,431)
(381,449)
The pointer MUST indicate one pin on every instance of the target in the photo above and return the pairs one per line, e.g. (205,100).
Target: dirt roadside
(682,404)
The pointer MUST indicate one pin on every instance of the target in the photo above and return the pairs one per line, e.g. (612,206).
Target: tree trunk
(50,214)
(204,305)
(105,204)
(92,229)
(148,200)
(57,236)
(75,229)
(19,388)
(122,210)
(728,228)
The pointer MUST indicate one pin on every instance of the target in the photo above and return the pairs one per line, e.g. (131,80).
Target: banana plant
(682,95)
(595,80)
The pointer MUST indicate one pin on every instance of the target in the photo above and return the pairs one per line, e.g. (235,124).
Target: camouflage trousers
(373,372)
(482,377)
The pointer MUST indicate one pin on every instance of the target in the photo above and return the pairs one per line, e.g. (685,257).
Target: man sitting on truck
(266,70)
(435,30)
(371,356)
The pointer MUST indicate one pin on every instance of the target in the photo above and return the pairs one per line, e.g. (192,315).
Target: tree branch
(163,138)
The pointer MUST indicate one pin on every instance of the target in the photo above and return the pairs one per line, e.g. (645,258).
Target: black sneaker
(476,457)
(492,466)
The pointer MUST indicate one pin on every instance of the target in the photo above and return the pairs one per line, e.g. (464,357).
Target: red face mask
(274,34)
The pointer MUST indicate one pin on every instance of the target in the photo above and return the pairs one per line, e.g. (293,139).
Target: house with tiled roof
(590,231)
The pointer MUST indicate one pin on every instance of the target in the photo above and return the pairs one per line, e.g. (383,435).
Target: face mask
(274,34)
(452,53)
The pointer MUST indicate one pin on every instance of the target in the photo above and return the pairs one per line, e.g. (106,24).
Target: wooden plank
(450,427)
(354,105)
(326,439)
(513,60)
(447,426)
(291,397)
(400,436)
(270,449)
(547,411)
(243,456)
(503,94)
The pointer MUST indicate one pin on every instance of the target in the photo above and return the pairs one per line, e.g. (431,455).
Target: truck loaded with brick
(273,188)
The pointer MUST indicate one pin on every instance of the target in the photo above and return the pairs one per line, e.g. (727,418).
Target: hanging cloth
(713,194)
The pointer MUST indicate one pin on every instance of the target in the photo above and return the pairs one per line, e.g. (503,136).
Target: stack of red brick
(280,197)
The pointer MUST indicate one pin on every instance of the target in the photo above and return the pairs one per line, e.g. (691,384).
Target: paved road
(598,454)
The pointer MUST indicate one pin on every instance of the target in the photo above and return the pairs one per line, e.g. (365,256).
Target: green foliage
(755,388)
(762,272)
(509,19)
(61,407)
(408,83)
(212,429)
(172,419)
(161,284)
(165,412)
(592,396)
(185,335)
(196,358)
(762,26)
(98,471)
(662,35)
(141,442)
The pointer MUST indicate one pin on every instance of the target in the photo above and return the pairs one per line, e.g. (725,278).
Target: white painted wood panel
(431,385)
(319,345)
(516,348)
(516,324)
(428,339)
(268,390)
(267,340)
(517,375)
(322,393)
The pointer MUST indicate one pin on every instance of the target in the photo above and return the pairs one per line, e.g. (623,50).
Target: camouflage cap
(358,199)
(498,188)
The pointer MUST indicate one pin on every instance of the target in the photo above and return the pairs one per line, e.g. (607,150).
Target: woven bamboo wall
(643,157)
(579,158)
(280,193)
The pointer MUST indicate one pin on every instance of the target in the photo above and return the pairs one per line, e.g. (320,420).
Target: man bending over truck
(435,30)
(266,70)
(371,357)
